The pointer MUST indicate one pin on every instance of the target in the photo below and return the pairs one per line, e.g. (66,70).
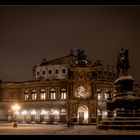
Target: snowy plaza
(42,129)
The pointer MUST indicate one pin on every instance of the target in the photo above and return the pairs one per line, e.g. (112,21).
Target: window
(63,111)
(63,94)
(105,72)
(56,71)
(110,74)
(63,70)
(26,96)
(38,73)
(114,74)
(50,71)
(106,96)
(52,111)
(34,95)
(99,72)
(53,94)
(99,96)
(43,72)
(43,94)
(94,74)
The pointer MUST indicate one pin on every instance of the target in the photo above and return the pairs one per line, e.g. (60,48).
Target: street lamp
(15,108)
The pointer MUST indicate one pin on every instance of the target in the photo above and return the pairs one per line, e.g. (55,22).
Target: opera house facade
(68,89)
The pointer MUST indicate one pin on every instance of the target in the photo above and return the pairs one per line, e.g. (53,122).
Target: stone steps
(119,127)
(134,122)
(126,118)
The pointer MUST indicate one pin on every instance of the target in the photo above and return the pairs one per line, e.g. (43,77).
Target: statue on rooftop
(81,55)
(81,58)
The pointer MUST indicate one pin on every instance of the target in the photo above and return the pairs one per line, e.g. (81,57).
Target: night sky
(30,33)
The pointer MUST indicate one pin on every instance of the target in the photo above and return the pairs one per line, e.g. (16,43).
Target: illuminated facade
(70,88)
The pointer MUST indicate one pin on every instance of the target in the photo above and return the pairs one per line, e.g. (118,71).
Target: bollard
(15,124)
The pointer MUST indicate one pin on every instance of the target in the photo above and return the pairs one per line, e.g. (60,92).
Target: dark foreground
(42,129)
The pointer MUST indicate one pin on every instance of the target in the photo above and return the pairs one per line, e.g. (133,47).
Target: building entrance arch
(83,114)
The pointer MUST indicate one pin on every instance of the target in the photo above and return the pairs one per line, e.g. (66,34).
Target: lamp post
(15,108)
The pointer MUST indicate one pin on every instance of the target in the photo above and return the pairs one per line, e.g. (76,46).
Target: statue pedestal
(125,107)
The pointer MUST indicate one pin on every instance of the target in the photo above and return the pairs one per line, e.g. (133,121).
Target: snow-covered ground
(38,129)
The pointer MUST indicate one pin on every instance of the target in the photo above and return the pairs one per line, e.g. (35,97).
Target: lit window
(63,94)
(99,96)
(34,96)
(53,94)
(52,111)
(53,97)
(98,112)
(63,110)
(26,96)
(43,94)
(106,96)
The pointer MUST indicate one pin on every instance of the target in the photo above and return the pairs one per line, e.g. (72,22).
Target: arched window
(98,112)
(53,94)
(63,94)
(43,94)
(34,95)
(99,96)
(26,95)
(52,111)
(63,111)
(107,94)
(110,74)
